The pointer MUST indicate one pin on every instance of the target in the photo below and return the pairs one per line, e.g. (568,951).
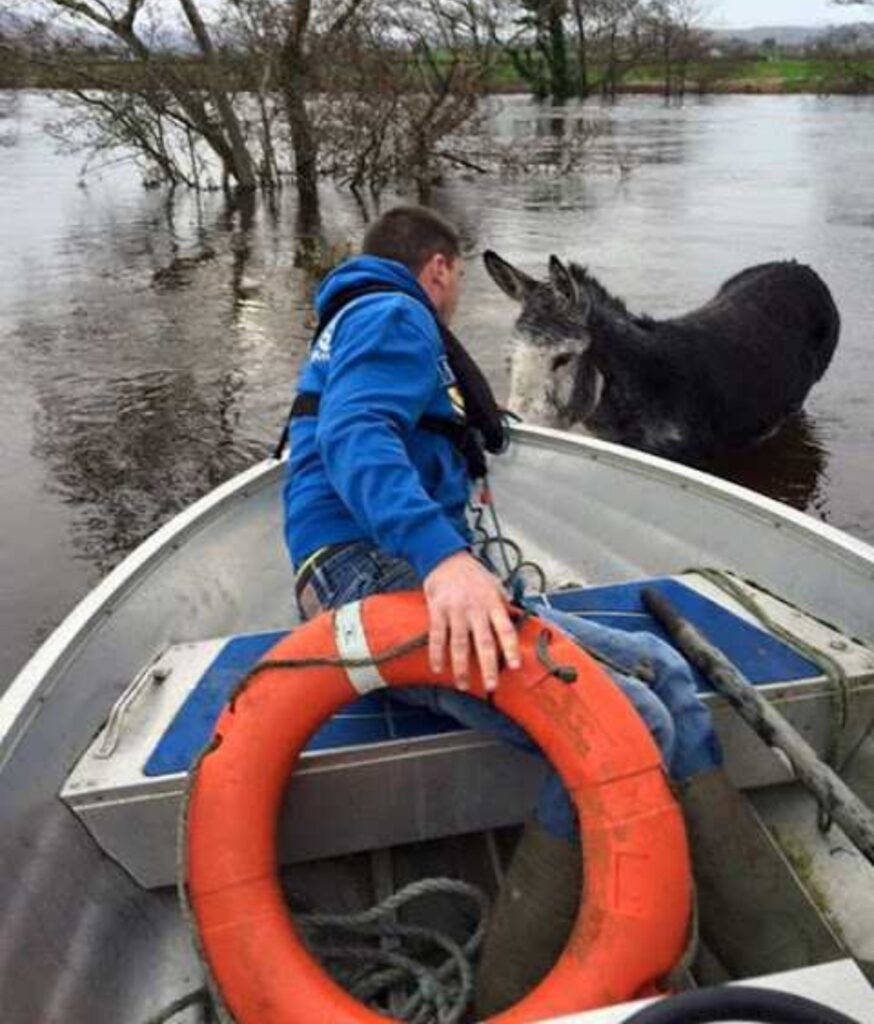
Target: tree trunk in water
(611,65)
(683,60)
(242,167)
(270,174)
(303,143)
(582,52)
(560,83)
(293,79)
(666,58)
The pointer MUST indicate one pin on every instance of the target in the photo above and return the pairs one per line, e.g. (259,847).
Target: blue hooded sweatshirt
(362,469)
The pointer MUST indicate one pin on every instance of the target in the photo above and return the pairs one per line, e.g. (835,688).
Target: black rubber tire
(738,1003)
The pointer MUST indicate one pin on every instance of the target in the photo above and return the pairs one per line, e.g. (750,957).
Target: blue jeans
(669,705)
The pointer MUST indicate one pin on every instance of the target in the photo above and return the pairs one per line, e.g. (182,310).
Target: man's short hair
(411,235)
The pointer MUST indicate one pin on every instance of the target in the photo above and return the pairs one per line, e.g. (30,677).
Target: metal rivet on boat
(161,674)
(838,645)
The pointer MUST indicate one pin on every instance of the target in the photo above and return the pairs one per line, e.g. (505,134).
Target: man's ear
(511,281)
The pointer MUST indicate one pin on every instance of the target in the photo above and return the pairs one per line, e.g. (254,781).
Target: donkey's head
(552,382)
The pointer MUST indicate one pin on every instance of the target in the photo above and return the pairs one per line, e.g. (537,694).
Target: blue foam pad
(374,718)
(377,718)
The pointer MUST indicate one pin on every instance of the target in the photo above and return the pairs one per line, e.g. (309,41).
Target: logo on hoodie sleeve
(321,351)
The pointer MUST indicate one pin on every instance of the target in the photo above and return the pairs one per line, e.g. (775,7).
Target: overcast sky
(748,13)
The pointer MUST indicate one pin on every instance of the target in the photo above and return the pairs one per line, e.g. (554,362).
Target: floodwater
(148,344)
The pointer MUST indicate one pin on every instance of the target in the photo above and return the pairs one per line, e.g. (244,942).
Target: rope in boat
(381,976)
(509,564)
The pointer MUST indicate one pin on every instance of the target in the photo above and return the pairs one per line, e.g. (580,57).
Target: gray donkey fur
(722,376)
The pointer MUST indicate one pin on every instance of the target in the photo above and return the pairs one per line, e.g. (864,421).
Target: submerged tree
(367,90)
(563,48)
(617,41)
(538,48)
(674,40)
(163,115)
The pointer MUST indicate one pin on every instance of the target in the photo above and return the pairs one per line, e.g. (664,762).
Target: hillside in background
(793,35)
(785,35)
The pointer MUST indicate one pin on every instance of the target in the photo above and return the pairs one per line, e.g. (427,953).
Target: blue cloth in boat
(670,707)
(363,469)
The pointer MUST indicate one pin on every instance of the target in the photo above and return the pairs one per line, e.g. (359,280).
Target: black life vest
(480,429)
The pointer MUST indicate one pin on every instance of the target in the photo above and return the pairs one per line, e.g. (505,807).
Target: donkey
(689,388)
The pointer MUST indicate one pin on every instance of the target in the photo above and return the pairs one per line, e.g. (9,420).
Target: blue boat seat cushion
(377,718)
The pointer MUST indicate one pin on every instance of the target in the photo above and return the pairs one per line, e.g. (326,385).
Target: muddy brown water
(148,343)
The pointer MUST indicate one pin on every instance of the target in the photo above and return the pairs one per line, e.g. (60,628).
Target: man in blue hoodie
(375,502)
(365,478)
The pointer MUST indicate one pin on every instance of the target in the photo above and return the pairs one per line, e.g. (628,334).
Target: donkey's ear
(511,281)
(562,282)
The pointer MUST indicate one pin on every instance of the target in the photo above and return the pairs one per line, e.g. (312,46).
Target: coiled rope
(429,982)
(361,952)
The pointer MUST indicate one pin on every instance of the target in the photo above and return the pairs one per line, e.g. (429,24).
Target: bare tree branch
(345,17)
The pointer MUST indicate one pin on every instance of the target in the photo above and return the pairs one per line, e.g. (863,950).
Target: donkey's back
(750,356)
(785,301)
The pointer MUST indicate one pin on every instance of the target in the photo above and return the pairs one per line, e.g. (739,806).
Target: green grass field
(771,76)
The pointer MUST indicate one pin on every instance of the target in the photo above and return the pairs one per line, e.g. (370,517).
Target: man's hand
(465,600)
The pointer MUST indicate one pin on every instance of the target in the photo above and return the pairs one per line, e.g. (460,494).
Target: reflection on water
(150,342)
(788,466)
(126,457)
(154,390)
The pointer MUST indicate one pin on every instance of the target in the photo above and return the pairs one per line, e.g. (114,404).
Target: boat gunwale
(734,495)
(30,686)
(33,683)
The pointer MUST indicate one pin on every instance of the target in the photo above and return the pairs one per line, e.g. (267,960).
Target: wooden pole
(834,795)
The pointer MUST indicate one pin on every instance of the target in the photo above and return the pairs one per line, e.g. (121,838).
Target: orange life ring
(633,918)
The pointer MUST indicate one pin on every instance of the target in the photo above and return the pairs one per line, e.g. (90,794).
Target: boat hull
(79,940)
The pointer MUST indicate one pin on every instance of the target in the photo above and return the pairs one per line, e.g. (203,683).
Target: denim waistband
(351,572)
(318,558)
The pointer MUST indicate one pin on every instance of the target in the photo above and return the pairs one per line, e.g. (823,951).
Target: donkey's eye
(561,360)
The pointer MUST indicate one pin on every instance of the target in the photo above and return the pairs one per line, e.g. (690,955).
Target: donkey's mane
(602,298)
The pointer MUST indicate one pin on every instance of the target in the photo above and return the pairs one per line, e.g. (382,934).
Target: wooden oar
(834,795)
